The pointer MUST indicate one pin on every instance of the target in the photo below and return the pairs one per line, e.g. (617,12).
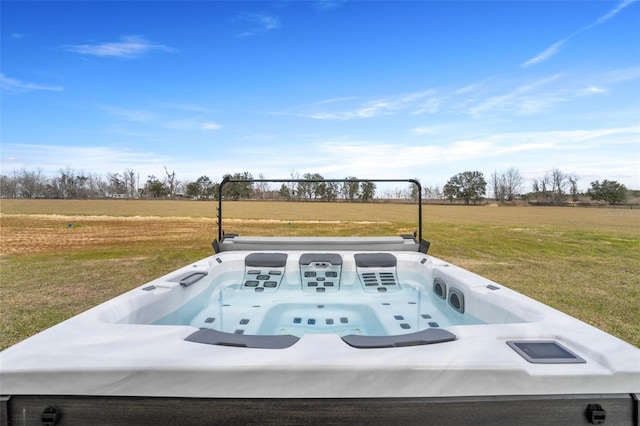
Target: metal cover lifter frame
(229,179)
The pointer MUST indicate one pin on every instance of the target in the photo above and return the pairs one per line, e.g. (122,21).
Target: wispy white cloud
(424,130)
(187,123)
(186,107)
(257,23)
(103,159)
(540,96)
(17,36)
(352,108)
(164,118)
(591,90)
(499,96)
(132,115)
(623,74)
(12,85)
(492,98)
(416,96)
(469,88)
(562,140)
(613,12)
(337,100)
(555,47)
(430,106)
(210,126)
(523,100)
(527,150)
(328,4)
(129,47)
(97,159)
(546,54)
(367,109)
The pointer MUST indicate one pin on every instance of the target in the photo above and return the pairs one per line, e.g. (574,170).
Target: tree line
(71,184)
(469,187)
(555,187)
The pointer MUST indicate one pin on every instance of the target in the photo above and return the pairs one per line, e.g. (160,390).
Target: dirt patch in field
(22,234)
(40,233)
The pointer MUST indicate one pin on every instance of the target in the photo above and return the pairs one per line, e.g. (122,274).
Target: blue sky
(416,89)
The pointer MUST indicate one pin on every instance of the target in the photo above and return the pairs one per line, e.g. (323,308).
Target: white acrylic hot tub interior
(230,308)
(220,301)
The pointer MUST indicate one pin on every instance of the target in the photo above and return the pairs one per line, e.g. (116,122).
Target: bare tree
(413,191)
(130,183)
(117,187)
(96,186)
(400,193)
(513,183)
(506,185)
(293,186)
(553,186)
(432,192)
(171,182)
(32,183)
(427,192)
(261,187)
(67,183)
(9,186)
(559,183)
(573,181)
(542,187)
(83,185)
(498,186)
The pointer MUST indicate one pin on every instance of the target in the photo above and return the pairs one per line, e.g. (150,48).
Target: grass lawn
(61,257)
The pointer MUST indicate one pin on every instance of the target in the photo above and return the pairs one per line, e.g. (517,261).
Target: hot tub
(321,330)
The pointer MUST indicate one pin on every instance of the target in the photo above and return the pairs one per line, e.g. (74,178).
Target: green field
(61,257)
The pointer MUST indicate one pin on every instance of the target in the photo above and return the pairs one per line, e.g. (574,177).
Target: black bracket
(596,414)
(50,416)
